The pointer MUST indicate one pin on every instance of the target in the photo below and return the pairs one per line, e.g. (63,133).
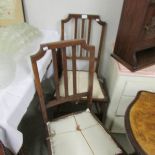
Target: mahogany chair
(140,123)
(4,150)
(92,29)
(78,133)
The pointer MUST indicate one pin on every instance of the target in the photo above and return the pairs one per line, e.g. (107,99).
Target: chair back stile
(37,81)
(83,27)
(65,71)
(39,90)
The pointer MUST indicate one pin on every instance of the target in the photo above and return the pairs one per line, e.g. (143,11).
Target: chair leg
(104,111)
(101,108)
(49,147)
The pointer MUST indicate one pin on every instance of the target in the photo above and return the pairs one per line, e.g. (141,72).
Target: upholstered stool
(140,123)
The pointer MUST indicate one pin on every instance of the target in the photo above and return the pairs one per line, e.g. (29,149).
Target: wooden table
(140,123)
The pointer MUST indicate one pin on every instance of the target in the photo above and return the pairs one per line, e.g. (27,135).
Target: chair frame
(60,100)
(96,18)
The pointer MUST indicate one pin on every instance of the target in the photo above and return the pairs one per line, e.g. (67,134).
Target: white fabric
(15,99)
(13,38)
(7,70)
(80,134)
(16,42)
(82,84)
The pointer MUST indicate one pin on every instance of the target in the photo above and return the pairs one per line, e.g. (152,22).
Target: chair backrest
(85,26)
(56,48)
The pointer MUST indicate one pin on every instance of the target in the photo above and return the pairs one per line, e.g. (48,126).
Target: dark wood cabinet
(135,42)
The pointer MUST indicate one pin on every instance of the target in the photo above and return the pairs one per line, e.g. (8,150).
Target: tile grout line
(83,135)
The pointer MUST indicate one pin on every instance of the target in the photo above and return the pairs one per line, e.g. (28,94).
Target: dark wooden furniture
(61,131)
(135,43)
(92,29)
(6,151)
(140,123)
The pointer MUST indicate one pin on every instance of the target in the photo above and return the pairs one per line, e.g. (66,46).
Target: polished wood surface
(135,47)
(140,123)
(83,27)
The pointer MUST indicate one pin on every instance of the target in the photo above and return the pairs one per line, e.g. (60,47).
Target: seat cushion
(82,84)
(142,121)
(80,134)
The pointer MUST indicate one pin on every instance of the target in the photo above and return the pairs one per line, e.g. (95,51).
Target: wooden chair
(4,150)
(77,133)
(92,29)
(140,123)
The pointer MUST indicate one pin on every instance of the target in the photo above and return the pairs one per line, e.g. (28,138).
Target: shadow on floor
(33,131)
(122,139)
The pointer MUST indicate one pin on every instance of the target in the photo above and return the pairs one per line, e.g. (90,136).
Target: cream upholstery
(82,84)
(80,134)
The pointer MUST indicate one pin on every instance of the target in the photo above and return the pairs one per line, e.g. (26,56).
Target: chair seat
(82,84)
(80,134)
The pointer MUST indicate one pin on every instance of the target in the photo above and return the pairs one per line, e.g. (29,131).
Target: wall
(48,13)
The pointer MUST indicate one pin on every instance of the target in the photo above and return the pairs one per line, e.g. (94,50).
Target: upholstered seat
(80,134)
(82,84)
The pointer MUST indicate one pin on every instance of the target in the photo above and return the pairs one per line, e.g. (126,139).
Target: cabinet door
(147,37)
(130,30)
(149,23)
